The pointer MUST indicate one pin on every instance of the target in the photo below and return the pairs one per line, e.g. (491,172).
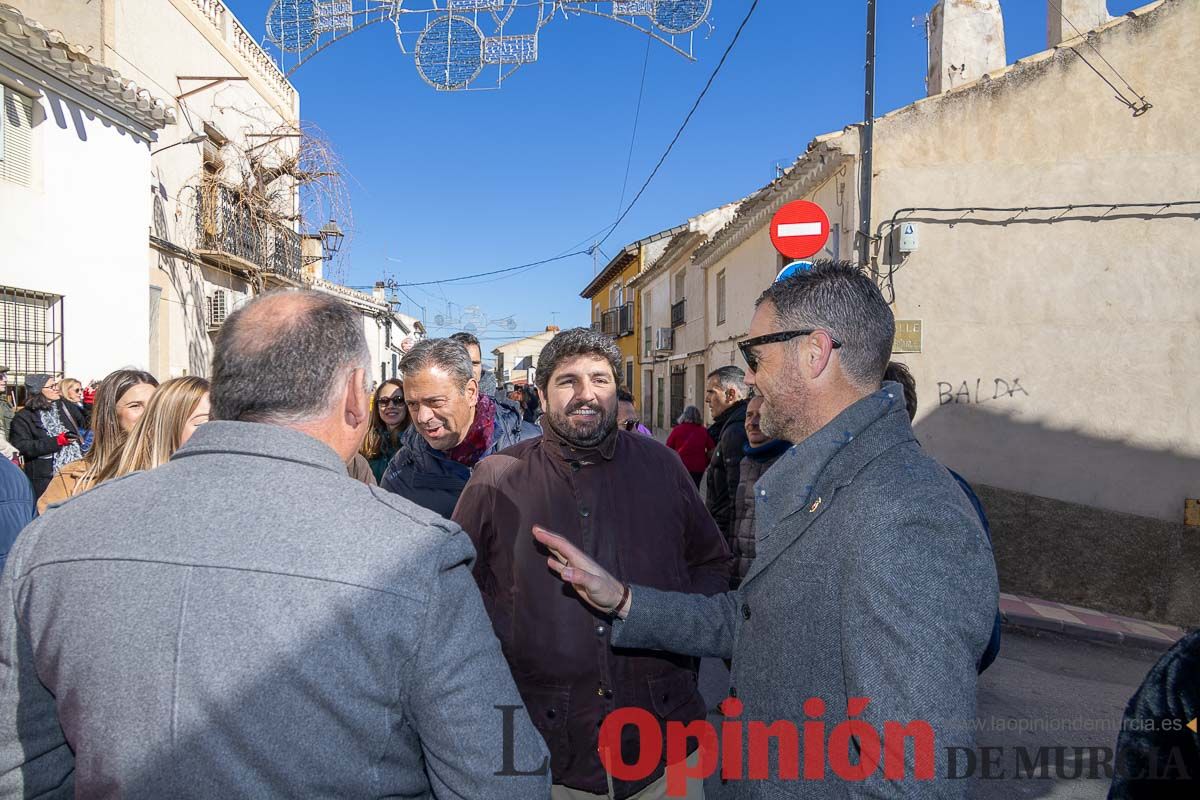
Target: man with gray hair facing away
(725,395)
(249,621)
(872,593)
(453,426)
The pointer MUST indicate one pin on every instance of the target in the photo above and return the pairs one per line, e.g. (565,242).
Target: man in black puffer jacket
(725,395)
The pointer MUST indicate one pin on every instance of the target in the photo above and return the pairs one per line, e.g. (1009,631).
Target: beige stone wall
(1059,357)
(80,23)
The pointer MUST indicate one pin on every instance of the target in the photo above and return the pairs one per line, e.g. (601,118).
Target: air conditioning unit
(664,339)
(216,307)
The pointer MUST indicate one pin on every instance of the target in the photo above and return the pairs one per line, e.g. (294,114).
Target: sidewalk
(1084,623)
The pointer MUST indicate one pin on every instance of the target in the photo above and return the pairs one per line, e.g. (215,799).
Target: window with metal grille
(16,137)
(610,322)
(31,333)
(625,322)
(659,406)
(678,381)
(679,313)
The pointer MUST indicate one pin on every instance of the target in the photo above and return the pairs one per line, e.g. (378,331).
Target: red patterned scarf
(479,438)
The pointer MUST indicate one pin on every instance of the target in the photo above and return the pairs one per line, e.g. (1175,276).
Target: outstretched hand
(590,581)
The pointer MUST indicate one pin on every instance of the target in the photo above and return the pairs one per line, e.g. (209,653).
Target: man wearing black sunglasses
(873,587)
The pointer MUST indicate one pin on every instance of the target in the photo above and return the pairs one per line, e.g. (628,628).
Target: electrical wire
(724,56)
(496,271)
(637,115)
(887,279)
(609,229)
(1137,108)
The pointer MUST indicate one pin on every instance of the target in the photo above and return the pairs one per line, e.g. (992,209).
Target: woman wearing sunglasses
(389,419)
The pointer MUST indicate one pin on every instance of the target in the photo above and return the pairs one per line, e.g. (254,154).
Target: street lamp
(331,237)
(195,138)
(331,241)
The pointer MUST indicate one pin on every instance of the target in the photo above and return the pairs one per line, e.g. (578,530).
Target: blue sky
(452,183)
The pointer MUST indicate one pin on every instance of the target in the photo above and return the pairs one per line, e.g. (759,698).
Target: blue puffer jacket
(430,479)
(16,506)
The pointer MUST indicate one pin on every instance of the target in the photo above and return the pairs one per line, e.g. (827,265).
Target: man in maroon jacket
(628,502)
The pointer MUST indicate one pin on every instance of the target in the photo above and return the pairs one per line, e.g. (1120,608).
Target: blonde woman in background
(178,407)
(72,400)
(120,402)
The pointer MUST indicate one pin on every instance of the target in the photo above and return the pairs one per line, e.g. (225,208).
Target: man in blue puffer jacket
(453,427)
(16,505)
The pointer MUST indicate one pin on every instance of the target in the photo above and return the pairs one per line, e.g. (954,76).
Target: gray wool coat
(249,621)
(873,579)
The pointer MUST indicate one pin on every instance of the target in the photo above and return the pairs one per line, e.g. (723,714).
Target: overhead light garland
(469,44)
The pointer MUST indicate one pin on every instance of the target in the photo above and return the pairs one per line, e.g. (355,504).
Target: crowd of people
(345,590)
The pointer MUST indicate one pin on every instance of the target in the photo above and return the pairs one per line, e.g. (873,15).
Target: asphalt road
(1043,691)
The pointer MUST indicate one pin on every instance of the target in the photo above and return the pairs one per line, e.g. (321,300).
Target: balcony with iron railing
(617,321)
(679,313)
(230,233)
(626,320)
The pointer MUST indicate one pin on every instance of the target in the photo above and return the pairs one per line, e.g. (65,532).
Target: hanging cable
(1138,108)
(637,115)
(737,34)
(609,229)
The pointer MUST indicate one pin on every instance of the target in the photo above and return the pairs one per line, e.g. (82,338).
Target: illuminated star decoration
(455,42)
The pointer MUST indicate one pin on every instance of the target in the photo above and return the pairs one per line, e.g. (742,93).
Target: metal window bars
(31,334)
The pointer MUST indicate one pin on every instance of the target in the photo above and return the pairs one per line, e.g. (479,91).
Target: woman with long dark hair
(389,419)
(120,402)
(44,432)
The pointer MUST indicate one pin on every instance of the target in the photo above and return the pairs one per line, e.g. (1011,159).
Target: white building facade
(516,361)
(220,196)
(75,143)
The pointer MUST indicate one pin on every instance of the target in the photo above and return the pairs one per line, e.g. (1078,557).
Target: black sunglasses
(747,347)
(394,400)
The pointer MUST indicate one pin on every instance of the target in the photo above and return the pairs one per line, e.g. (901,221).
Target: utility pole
(868,143)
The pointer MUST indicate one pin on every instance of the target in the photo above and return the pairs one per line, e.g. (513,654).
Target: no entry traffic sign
(799,229)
